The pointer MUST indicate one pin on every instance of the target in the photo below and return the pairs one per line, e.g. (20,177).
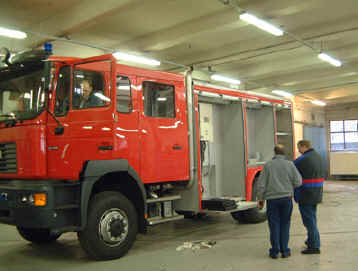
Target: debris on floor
(194,245)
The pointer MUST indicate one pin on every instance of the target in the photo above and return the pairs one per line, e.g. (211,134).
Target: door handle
(105,148)
(177,147)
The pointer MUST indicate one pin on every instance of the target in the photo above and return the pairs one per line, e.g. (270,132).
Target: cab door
(163,131)
(87,132)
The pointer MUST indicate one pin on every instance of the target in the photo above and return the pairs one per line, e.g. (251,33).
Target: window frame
(69,90)
(89,71)
(174,99)
(344,132)
(130,105)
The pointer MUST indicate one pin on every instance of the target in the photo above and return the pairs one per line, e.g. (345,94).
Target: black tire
(38,236)
(254,215)
(112,226)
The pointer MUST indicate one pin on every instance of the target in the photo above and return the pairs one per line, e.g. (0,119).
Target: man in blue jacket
(310,166)
(275,185)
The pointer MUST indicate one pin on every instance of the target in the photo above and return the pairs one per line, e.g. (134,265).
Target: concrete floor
(239,246)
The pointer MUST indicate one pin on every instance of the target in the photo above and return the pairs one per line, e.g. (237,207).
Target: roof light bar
(330,60)
(320,103)
(12,33)
(261,24)
(282,93)
(218,77)
(137,59)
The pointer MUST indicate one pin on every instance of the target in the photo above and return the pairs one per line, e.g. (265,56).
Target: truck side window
(62,103)
(89,90)
(124,97)
(158,100)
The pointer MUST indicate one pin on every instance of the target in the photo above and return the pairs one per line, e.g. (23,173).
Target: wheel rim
(113,227)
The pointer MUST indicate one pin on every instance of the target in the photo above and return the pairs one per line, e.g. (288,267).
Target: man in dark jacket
(276,184)
(309,164)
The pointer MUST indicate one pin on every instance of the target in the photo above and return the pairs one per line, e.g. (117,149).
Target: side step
(161,210)
(162,199)
(241,205)
(157,220)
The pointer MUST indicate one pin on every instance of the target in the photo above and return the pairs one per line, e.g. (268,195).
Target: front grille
(8,160)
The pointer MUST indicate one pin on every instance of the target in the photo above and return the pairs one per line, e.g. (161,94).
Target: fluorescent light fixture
(330,60)
(320,103)
(12,33)
(137,59)
(282,93)
(261,24)
(161,99)
(221,78)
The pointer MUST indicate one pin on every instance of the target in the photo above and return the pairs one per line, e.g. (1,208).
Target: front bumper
(61,210)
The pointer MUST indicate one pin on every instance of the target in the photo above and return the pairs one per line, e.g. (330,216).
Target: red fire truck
(106,150)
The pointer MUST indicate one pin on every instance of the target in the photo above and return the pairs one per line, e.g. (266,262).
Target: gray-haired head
(279,149)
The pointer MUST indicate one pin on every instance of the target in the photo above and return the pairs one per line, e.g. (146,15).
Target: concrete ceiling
(207,33)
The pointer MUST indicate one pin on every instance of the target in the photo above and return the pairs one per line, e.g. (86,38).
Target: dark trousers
(309,219)
(279,213)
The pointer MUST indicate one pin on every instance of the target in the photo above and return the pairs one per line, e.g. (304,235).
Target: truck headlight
(36,199)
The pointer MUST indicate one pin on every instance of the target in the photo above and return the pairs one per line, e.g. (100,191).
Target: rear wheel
(112,226)
(39,236)
(254,215)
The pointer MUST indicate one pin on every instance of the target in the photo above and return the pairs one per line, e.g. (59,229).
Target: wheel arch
(252,173)
(113,175)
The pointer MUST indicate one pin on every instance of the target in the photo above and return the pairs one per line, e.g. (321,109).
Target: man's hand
(260,204)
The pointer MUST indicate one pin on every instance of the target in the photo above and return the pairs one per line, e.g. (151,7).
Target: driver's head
(86,88)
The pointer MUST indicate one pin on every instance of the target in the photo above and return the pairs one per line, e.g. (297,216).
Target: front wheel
(38,236)
(112,226)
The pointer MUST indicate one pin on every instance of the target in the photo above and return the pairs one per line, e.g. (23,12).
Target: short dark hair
(305,143)
(279,149)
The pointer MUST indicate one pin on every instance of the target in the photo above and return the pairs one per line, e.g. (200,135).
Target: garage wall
(308,114)
(339,112)
(298,136)
(342,111)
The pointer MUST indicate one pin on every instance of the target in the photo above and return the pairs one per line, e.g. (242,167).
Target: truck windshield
(22,94)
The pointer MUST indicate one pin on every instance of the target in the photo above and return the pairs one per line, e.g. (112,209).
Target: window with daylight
(344,135)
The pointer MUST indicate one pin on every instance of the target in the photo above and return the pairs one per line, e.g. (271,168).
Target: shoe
(311,251)
(286,255)
(273,256)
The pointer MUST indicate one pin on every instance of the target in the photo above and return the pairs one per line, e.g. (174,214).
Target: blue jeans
(279,213)
(309,219)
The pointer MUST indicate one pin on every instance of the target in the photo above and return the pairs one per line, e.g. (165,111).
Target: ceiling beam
(79,16)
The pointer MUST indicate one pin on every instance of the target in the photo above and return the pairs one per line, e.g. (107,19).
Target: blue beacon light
(48,47)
